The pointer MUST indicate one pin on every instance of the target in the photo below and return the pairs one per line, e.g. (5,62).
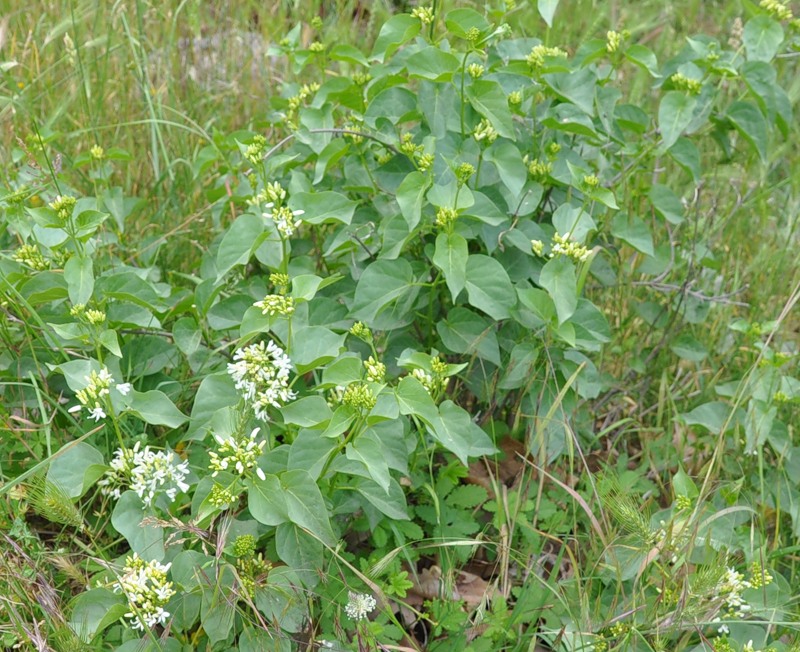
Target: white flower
(147,590)
(261,372)
(237,455)
(359,605)
(146,472)
(124,388)
(97,413)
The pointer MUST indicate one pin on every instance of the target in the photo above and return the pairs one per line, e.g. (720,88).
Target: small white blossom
(124,388)
(97,413)
(147,590)
(261,372)
(359,605)
(146,472)
(237,455)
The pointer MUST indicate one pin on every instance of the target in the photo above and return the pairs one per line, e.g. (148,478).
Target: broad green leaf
(382,283)
(266,500)
(570,119)
(683,485)
(432,63)
(94,610)
(458,433)
(392,503)
(347,369)
(643,57)
(370,453)
(349,53)
(44,287)
(218,606)
(76,468)
(762,37)
(558,278)
(397,30)
(395,104)
(450,256)
(216,392)
(513,172)
(666,203)
(305,505)
(313,346)
(307,412)
(128,286)
(414,399)
(634,231)
(466,332)
(323,207)
(749,122)
(573,221)
(489,99)
(239,242)
(674,114)
(301,552)
(108,339)
(156,408)
(78,272)
(461,21)
(488,286)
(310,450)
(713,416)
(577,87)
(411,195)
(146,540)
(547,8)
(688,348)
(281,600)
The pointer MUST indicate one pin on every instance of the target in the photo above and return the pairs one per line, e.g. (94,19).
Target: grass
(126,86)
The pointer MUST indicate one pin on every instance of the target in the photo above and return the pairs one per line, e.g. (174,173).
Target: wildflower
(563,246)
(485,131)
(255,150)
(359,396)
(473,36)
(537,55)
(464,172)
(29,254)
(432,383)
(153,471)
(613,41)
(284,220)
(446,217)
(278,279)
(276,304)
(316,47)
(237,455)
(591,181)
(438,366)
(683,502)
(737,31)
(376,371)
(97,413)
(95,317)
(63,205)
(359,605)
(97,388)
(124,388)
(537,246)
(361,331)
(515,98)
(362,78)
(776,9)
(316,23)
(97,152)
(425,14)
(729,589)
(759,576)
(553,149)
(424,162)
(475,70)
(147,590)
(683,83)
(252,572)
(539,170)
(221,497)
(261,372)
(334,398)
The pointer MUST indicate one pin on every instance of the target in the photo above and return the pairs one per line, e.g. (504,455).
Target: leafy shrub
(419,261)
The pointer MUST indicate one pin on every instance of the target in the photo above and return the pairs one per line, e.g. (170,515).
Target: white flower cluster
(146,587)
(146,472)
(563,246)
(261,372)
(730,590)
(359,605)
(98,387)
(284,219)
(237,455)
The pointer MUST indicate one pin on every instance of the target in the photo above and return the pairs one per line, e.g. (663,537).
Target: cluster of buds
(317,47)
(90,315)
(776,9)
(261,372)
(276,304)
(536,57)
(220,497)
(515,98)
(435,382)
(29,254)
(63,205)
(464,172)
(97,153)
(485,132)
(683,83)
(361,331)
(359,397)
(416,153)
(445,218)
(279,279)
(306,91)
(425,14)
(94,395)
(563,246)
(147,590)
(362,78)
(613,41)
(237,455)
(475,70)
(539,170)
(254,152)
(253,571)
(376,371)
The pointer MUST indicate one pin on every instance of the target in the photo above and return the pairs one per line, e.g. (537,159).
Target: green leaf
(683,485)
(310,450)
(460,21)
(573,221)
(347,369)
(146,540)
(577,87)
(489,99)
(666,203)
(450,256)
(108,339)
(762,37)
(238,243)
(546,10)
(432,63)
(414,399)
(349,53)
(266,501)
(155,408)
(216,392)
(307,412)
(80,279)
(458,433)
(313,346)
(323,207)
(75,468)
(688,348)
(218,606)
(674,115)
(411,196)
(558,278)
(395,104)
(397,30)
(464,331)
(369,452)
(128,286)
(94,610)
(300,551)
(381,283)
(489,287)
(644,58)
(513,172)
(392,503)
(750,123)
(633,231)
(305,505)
(713,416)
